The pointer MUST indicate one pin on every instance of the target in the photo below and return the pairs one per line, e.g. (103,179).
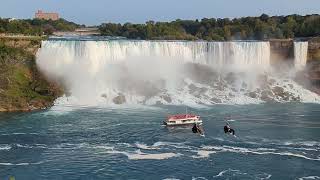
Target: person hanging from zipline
(196,129)
(228,129)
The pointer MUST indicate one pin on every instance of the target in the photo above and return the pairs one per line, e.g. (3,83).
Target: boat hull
(182,123)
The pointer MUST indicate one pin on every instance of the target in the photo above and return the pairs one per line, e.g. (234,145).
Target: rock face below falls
(120,99)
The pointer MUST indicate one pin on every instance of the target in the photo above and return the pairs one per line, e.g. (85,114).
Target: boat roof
(181,116)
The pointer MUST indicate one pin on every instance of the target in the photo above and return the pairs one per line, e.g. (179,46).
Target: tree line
(245,28)
(221,29)
(35,26)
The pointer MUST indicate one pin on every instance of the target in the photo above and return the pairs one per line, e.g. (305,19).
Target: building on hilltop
(47,16)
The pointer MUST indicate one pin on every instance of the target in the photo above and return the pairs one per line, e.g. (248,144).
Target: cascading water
(300,54)
(240,54)
(165,72)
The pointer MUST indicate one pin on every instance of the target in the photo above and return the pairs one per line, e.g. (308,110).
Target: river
(274,141)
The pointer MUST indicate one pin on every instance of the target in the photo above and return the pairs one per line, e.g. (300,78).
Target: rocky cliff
(312,72)
(281,51)
(22,86)
(314,49)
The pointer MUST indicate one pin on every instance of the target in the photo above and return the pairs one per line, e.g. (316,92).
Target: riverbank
(22,86)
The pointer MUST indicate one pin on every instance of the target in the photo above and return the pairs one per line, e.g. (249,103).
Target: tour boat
(182,119)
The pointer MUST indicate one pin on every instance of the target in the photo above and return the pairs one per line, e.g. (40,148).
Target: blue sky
(94,12)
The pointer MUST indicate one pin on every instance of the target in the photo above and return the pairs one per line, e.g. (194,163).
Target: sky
(95,12)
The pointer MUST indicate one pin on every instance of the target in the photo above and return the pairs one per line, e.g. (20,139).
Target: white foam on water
(244,175)
(8,134)
(290,143)
(66,104)
(304,149)
(19,133)
(203,154)
(303,143)
(30,146)
(23,146)
(132,155)
(138,155)
(225,171)
(268,176)
(266,149)
(6,164)
(258,151)
(198,178)
(5,147)
(71,146)
(108,147)
(309,177)
(159,156)
(232,172)
(231,120)
(144,146)
(163,143)
(21,164)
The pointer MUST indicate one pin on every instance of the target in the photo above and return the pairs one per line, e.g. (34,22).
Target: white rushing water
(240,54)
(213,53)
(300,54)
(166,72)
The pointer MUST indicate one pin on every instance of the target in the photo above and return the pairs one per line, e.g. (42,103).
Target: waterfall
(300,54)
(166,72)
(240,54)
(216,54)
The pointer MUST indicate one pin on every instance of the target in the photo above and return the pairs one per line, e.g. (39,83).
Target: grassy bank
(22,87)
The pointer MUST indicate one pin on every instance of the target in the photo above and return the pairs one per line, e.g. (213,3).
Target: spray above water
(166,72)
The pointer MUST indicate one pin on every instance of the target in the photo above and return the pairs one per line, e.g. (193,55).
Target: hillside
(22,87)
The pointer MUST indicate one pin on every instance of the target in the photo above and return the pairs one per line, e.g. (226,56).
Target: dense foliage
(246,28)
(22,87)
(35,26)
